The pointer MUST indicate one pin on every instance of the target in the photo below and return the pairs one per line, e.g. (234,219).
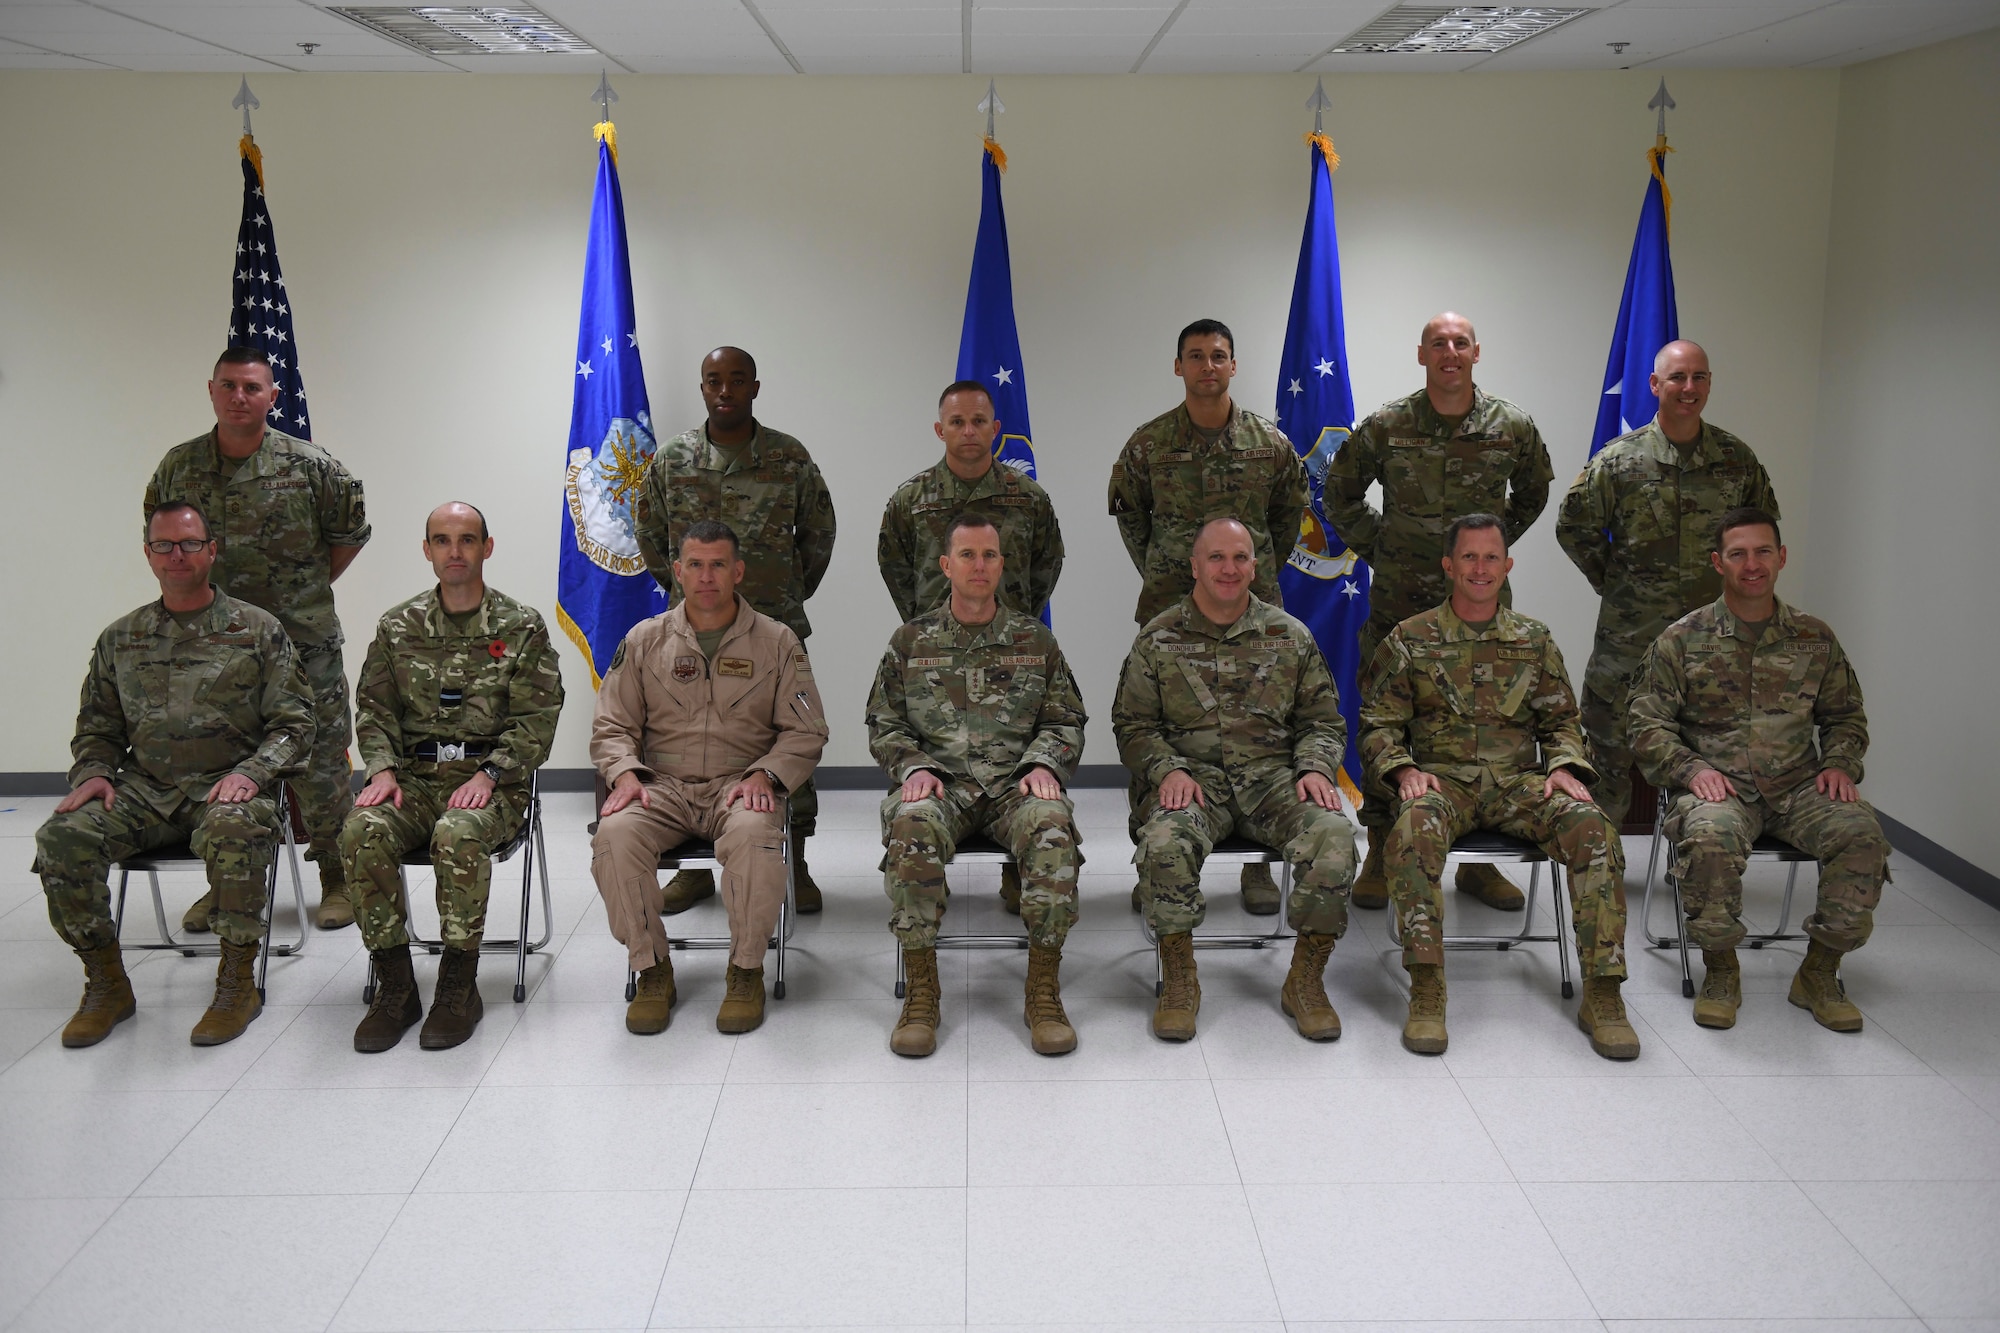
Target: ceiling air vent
(1482,28)
(468,30)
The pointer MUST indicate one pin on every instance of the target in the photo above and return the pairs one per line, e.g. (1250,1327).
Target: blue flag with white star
(602,587)
(1324,583)
(1648,318)
(260,312)
(989,349)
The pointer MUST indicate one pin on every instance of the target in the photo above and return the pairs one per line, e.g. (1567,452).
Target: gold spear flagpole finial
(248,101)
(604,97)
(1664,102)
(1319,138)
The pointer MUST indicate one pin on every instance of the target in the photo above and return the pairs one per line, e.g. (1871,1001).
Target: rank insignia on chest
(1482,673)
(686,669)
(735,666)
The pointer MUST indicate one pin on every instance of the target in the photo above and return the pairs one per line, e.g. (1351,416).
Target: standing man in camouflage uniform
(1207,459)
(975,714)
(1448,449)
(707,717)
(160,762)
(912,543)
(733,469)
(289,521)
(1469,719)
(459,696)
(1639,522)
(1749,713)
(1229,722)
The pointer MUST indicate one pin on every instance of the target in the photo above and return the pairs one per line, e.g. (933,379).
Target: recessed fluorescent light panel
(1481,28)
(468,30)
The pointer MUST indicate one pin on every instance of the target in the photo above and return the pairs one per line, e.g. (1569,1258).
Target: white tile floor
(556,1172)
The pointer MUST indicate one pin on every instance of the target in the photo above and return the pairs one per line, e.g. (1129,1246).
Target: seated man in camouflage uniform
(160,762)
(1229,722)
(975,714)
(459,696)
(1459,701)
(1724,715)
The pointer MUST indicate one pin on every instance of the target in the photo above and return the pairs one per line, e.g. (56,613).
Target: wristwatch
(490,771)
(777,783)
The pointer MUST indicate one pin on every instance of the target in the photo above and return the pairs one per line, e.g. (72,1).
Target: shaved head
(1443,317)
(1218,529)
(1676,349)
(443,515)
(722,356)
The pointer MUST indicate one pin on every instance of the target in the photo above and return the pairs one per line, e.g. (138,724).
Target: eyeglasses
(189,545)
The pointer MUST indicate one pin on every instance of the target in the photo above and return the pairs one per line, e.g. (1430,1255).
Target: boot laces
(654,981)
(454,987)
(232,981)
(920,991)
(1179,990)
(392,992)
(1309,972)
(98,989)
(1044,998)
(744,984)
(1427,995)
(1604,1000)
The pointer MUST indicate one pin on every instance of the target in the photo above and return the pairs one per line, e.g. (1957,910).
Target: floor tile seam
(1569,1267)
(1243,1192)
(687,1195)
(1908,1305)
(361,1271)
(63,1267)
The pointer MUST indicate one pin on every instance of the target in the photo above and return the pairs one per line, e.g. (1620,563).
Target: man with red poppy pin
(457,707)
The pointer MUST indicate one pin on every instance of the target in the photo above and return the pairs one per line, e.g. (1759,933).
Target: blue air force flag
(602,587)
(1647,317)
(989,349)
(260,311)
(1323,583)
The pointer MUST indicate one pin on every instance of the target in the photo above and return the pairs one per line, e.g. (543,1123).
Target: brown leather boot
(336,906)
(806,899)
(195,920)
(652,1006)
(1010,890)
(1602,1015)
(455,1006)
(1423,1030)
(1721,989)
(1180,989)
(107,998)
(685,889)
(915,1033)
(1488,885)
(742,1001)
(1818,987)
(1260,891)
(1048,1026)
(236,1000)
(1371,886)
(396,1008)
(1303,996)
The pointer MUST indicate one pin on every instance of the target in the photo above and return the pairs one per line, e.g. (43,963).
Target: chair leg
(160,914)
(521,937)
(1680,919)
(1557,909)
(1534,886)
(270,920)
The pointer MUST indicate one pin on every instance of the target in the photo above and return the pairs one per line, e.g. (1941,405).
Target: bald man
(1448,450)
(1639,522)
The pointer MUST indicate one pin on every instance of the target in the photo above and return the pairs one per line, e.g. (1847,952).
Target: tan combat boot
(1488,885)
(395,1008)
(652,1006)
(1010,890)
(195,920)
(1260,891)
(1371,886)
(236,1000)
(336,907)
(1423,1030)
(455,1006)
(1721,989)
(806,897)
(1303,996)
(742,1001)
(685,889)
(1180,989)
(1818,987)
(1602,1015)
(107,998)
(915,1033)
(1048,1026)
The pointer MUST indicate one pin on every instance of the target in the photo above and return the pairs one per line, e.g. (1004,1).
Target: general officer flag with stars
(1324,583)
(989,349)
(260,310)
(1647,317)
(602,587)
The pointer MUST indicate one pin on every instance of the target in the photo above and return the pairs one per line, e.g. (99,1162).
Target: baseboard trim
(1981,884)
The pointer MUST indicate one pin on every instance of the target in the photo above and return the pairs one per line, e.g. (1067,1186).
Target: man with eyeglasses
(289,519)
(193,709)
(1638,522)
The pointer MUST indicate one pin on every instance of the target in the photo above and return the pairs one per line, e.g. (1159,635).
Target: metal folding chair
(977,850)
(151,863)
(1497,848)
(1234,851)
(692,855)
(1661,868)
(527,838)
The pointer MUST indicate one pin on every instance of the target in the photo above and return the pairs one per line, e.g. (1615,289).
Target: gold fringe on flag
(1324,142)
(247,147)
(1656,158)
(997,153)
(608,133)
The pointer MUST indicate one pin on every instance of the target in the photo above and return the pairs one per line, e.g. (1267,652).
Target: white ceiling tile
(1063,24)
(1224,53)
(1331,21)
(845,25)
(1095,54)
(1832,32)
(1653,32)
(1400,62)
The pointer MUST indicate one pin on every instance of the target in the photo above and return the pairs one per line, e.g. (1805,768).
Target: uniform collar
(1707,450)
(1433,423)
(435,623)
(1783,619)
(679,625)
(997,630)
(715,458)
(1184,427)
(1194,622)
(212,619)
(952,484)
(1506,625)
(263,463)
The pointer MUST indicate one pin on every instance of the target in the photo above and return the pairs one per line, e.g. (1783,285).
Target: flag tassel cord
(247,147)
(996,152)
(1656,160)
(607,134)
(1324,142)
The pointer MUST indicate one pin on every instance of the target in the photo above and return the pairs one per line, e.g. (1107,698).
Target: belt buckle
(450,750)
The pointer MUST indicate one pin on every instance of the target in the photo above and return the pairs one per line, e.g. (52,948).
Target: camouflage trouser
(74,852)
(1040,834)
(1318,844)
(1712,845)
(1574,833)
(805,811)
(1605,727)
(325,790)
(461,843)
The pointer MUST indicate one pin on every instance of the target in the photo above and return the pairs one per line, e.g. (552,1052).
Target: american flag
(260,311)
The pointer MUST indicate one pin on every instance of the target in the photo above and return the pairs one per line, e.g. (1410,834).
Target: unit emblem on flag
(600,489)
(1317,552)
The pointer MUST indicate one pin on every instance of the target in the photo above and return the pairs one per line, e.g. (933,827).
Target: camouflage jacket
(1705,698)
(498,683)
(275,515)
(1475,708)
(1164,486)
(1234,707)
(772,494)
(1638,521)
(913,527)
(980,704)
(169,712)
(1495,463)
(666,711)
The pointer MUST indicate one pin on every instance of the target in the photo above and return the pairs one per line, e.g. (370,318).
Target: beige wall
(1906,466)
(432,230)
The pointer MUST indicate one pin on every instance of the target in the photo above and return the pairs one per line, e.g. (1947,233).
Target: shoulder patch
(617,658)
(802,664)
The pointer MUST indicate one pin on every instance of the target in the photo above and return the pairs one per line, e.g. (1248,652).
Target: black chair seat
(672,858)
(161,858)
(982,846)
(1490,842)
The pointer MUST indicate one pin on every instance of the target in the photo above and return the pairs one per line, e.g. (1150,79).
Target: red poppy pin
(497,648)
